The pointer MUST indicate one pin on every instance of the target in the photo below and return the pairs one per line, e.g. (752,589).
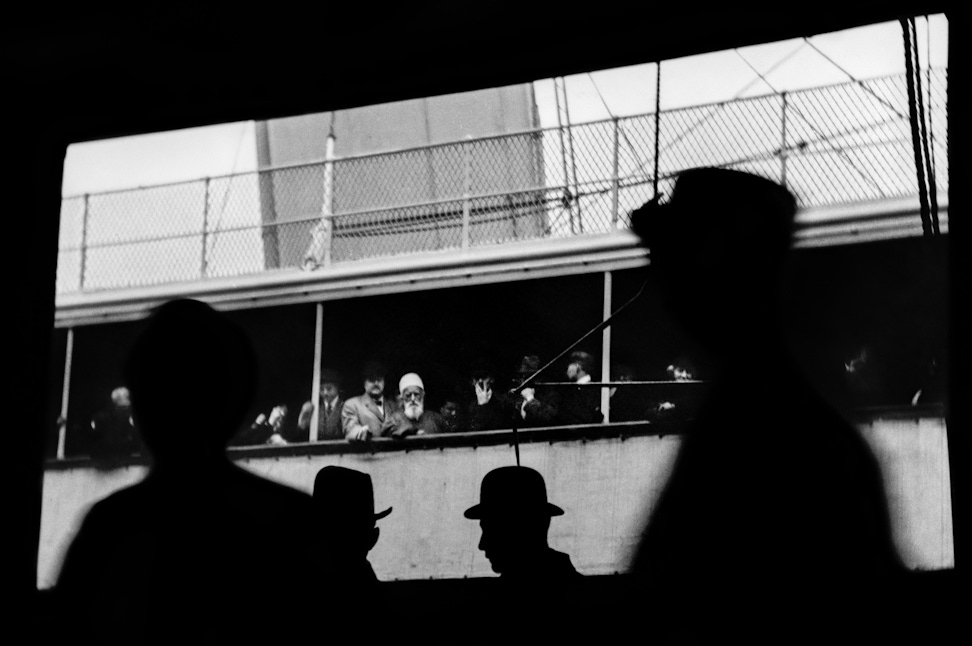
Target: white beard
(413,410)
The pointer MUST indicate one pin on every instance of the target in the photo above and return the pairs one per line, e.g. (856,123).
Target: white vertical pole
(65,394)
(329,195)
(316,380)
(606,350)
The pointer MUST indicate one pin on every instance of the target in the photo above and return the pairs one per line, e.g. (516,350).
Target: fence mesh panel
(830,145)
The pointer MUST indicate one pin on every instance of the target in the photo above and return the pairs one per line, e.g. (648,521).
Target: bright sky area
(861,53)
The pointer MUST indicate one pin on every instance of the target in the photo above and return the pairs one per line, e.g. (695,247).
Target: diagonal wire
(634,151)
(836,148)
(860,83)
(721,106)
(229,186)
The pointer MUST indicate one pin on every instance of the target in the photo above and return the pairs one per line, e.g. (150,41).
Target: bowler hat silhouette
(509,491)
(346,496)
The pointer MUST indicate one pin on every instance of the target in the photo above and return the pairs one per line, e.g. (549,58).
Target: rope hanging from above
(919,137)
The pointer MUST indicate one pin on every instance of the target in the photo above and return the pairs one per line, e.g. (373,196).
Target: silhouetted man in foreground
(193,553)
(344,515)
(515,517)
(538,583)
(774,526)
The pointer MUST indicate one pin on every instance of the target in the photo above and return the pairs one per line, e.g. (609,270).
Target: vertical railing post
(65,395)
(615,179)
(568,202)
(328,210)
(316,378)
(84,243)
(205,225)
(466,191)
(606,349)
(783,146)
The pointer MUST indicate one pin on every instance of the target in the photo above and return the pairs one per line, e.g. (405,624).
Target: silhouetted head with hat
(718,247)
(192,374)
(344,504)
(514,515)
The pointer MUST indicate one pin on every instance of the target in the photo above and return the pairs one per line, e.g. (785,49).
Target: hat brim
(479,511)
(382,514)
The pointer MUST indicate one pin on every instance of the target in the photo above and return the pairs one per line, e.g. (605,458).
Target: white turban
(410,379)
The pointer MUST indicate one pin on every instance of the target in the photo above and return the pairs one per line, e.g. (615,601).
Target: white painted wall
(606,487)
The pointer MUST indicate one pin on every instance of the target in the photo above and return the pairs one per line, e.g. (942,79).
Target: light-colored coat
(360,415)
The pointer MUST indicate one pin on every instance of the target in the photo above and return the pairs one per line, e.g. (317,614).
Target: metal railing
(837,144)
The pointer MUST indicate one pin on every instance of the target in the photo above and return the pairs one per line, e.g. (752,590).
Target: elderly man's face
(413,399)
(374,386)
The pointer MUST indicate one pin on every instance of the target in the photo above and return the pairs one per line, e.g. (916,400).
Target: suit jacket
(329,426)
(362,412)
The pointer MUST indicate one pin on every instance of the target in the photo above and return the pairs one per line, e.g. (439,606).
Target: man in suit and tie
(330,403)
(369,414)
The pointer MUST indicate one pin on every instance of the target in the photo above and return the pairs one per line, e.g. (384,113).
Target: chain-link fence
(837,144)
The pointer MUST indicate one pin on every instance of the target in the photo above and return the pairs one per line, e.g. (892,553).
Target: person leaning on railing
(329,410)
(531,407)
(369,414)
(485,412)
(413,418)
(579,405)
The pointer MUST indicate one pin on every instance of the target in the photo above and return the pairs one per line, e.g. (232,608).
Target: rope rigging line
(928,83)
(654,182)
(929,174)
(906,27)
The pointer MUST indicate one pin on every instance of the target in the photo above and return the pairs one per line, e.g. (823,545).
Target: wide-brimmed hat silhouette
(344,495)
(513,491)
(745,210)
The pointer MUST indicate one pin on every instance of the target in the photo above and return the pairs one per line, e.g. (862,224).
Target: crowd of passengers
(379,411)
(382,411)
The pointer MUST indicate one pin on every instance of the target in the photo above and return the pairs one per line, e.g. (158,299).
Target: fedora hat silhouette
(346,496)
(509,491)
